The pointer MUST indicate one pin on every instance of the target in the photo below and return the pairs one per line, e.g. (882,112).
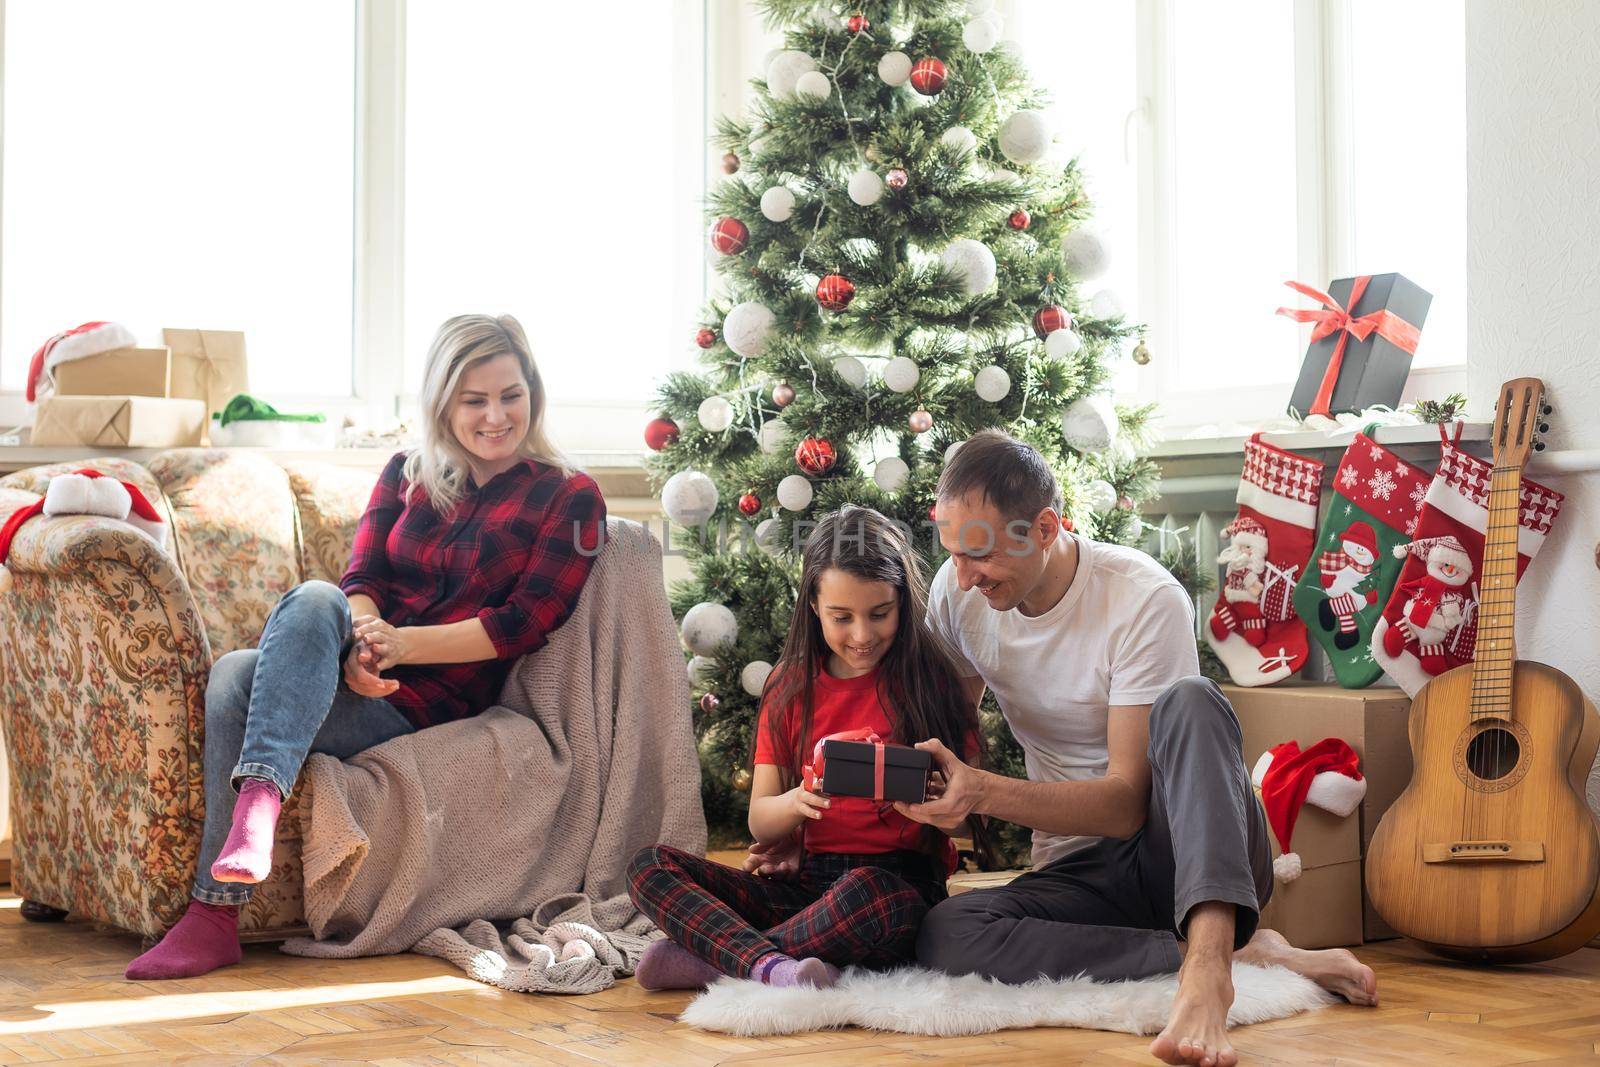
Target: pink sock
(667,965)
(776,969)
(247,854)
(207,937)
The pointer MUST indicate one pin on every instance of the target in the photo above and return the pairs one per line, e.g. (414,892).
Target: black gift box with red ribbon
(1362,340)
(876,771)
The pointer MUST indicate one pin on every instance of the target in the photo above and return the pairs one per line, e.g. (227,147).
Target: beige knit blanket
(501,842)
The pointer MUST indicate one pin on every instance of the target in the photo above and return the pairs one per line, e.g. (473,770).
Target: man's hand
(361,673)
(780,859)
(962,791)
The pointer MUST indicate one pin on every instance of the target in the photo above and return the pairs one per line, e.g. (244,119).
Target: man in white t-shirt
(1150,849)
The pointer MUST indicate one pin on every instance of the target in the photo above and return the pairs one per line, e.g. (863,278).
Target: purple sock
(667,965)
(207,937)
(247,854)
(776,969)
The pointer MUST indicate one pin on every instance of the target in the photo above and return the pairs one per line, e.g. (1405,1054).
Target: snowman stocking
(1376,498)
(1253,626)
(1430,622)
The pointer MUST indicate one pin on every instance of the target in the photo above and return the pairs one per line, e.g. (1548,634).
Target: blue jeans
(267,708)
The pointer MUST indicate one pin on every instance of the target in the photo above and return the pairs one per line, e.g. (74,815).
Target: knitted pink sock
(667,965)
(247,854)
(207,937)
(776,969)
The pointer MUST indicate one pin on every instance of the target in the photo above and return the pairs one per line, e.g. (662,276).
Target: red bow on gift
(1333,318)
(814,769)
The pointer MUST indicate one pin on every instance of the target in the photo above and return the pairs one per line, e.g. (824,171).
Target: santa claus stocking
(1253,626)
(1376,498)
(1429,624)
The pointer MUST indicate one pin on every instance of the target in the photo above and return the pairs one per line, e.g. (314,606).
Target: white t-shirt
(1122,633)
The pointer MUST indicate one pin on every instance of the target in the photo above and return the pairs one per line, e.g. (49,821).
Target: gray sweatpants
(1118,908)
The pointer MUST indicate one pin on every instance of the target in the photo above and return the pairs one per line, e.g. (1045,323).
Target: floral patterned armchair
(105,645)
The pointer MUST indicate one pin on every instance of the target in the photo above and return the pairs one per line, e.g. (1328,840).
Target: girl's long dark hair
(918,683)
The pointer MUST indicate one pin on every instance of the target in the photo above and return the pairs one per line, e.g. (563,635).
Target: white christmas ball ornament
(689,498)
(715,413)
(1025,137)
(950,453)
(774,439)
(971,262)
(894,68)
(700,668)
(1105,305)
(708,626)
(981,34)
(813,84)
(959,139)
(777,203)
(1090,423)
(768,537)
(976,8)
(748,327)
(890,474)
(1101,496)
(1059,344)
(901,373)
(1085,253)
(865,187)
(992,383)
(754,676)
(795,492)
(852,370)
(785,70)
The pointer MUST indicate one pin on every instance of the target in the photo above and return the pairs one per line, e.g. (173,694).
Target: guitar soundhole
(1493,754)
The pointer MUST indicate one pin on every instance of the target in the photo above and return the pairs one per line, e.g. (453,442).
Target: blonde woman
(473,549)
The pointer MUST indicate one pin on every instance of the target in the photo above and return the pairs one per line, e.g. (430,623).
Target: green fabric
(246,408)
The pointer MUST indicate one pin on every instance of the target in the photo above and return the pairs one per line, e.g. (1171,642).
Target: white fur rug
(917,1001)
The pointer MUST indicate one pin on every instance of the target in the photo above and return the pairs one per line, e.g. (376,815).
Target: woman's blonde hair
(439,466)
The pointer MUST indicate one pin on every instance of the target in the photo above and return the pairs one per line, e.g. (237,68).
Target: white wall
(1533,279)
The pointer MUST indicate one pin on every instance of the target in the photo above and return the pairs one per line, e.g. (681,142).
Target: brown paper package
(120,372)
(208,365)
(119,421)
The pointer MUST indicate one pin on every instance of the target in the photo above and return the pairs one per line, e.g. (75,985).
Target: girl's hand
(806,804)
(780,859)
(361,673)
(387,644)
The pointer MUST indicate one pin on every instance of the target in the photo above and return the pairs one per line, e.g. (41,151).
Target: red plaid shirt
(514,553)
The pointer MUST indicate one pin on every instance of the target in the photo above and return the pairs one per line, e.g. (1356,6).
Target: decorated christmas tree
(903,262)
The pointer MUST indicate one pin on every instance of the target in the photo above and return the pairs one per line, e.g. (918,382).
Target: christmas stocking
(1429,624)
(1327,775)
(1376,498)
(1253,626)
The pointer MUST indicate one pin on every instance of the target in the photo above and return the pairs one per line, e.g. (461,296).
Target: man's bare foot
(1197,1031)
(1334,969)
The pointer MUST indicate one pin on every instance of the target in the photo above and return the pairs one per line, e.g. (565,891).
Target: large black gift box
(1372,371)
(849,769)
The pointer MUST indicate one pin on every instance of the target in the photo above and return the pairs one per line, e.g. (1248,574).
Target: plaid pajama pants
(844,909)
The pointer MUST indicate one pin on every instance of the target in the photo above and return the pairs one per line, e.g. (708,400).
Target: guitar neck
(1497,596)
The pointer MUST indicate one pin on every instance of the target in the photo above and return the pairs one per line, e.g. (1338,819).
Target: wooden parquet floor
(63,1001)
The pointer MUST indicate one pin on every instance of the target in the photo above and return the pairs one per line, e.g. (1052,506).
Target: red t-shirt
(850,824)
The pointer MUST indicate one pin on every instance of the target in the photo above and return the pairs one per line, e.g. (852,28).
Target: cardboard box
(1323,907)
(119,421)
(1371,370)
(120,372)
(208,365)
(1372,721)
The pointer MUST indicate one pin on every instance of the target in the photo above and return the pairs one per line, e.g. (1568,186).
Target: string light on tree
(835,291)
(659,433)
(815,455)
(928,75)
(901,374)
(715,413)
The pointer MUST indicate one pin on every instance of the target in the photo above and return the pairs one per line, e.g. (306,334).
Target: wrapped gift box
(1329,900)
(120,372)
(208,365)
(849,769)
(1358,356)
(119,421)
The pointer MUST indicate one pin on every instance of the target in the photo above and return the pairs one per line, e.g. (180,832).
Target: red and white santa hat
(86,492)
(1248,530)
(1326,775)
(1359,533)
(1445,549)
(90,339)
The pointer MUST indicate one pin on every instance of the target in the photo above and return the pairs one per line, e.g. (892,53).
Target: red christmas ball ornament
(708,703)
(857,23)
(928,75)
(1050,318)
(920,421)
(783,394)
(729,236)
(896,178)
(1125,502)
(730,163)
(749,504)
(815,455)
(706,337)
(835,291)
(1019,219)
(660,433)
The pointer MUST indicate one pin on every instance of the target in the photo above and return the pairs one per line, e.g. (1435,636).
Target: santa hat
(86,492)
(1326,775)
(1446,549)
(90,339)
(1248,529)
(1359,533)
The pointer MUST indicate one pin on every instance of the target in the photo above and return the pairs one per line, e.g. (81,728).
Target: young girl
(858,656)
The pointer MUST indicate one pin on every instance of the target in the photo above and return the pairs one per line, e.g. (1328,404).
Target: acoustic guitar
(1491,853)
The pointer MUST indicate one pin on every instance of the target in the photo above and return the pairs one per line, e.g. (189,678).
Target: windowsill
(1309,440)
